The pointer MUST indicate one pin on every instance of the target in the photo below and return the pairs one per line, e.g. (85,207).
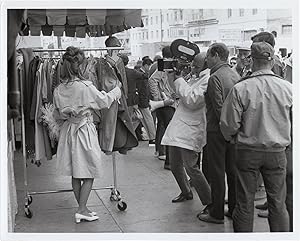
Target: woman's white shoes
(79,217)
(93,213)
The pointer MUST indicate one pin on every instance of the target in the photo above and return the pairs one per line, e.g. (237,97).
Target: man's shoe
(262,206)
(209,219)
(204,211)
(167,167)
(183,197)
(263,214)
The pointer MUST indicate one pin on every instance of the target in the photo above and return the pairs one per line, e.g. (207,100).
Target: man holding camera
(186,133)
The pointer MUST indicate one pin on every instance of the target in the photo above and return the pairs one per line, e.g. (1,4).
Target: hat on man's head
(264,37)
(112,41)
(262,50)
(243,48)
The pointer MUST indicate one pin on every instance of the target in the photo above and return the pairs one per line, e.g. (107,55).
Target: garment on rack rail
(42,140)
(26,78)
(116,132)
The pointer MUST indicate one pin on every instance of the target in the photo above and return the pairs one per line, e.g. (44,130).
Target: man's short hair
(124,58)
(166,52)
(221,49)
(264,37)
(147,61)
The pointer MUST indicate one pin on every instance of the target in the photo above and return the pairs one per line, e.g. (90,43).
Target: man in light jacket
(256,115)
(186,133)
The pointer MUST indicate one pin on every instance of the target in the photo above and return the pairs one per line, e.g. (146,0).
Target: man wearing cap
(278,67)
(243,62)
(256,117)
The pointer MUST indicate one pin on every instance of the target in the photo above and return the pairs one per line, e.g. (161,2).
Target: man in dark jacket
(220,152)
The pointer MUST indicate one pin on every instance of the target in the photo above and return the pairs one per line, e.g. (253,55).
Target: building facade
(234,27)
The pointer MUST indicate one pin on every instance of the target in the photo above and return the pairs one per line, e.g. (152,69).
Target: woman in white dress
(78,152)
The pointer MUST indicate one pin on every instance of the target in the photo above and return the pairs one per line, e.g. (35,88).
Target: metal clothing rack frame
(115,194)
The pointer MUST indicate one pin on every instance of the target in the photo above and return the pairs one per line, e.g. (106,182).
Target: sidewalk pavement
(144,185)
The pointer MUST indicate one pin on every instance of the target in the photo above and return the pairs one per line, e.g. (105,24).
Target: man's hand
(168,102)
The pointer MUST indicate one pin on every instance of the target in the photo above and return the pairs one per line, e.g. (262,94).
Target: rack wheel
(122,206)
(28,213)
(29,200)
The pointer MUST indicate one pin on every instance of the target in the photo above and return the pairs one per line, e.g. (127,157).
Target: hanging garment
(39,136)
(116,132)
(33,75)
(57,75)
(27,80)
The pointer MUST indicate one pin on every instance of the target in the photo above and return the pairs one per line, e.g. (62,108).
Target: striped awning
(79,22)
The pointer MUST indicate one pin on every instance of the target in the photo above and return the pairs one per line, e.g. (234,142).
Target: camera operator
(186,133)
(161,88)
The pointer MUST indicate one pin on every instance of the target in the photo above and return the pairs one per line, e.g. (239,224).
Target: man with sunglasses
(243,62)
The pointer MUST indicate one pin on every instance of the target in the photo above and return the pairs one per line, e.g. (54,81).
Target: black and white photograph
(149,119)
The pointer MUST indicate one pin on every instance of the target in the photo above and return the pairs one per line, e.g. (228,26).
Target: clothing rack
(115,194)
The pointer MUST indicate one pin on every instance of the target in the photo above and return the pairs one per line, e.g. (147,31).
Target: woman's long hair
(72,59)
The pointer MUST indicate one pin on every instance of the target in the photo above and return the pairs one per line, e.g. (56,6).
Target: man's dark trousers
(164,116)
(272,166)
(221,159)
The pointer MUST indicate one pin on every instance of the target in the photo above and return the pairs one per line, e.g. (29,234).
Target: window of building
(162,18)
(242,11)
(146,22)
(140,36)
(143,35)
(162,33)
(156,19)
(167,17)
(248,34)
(254,11)
(151,21)
(156,33)
(146,35)
(168,32)
(181,15)
(180,32)
(151,34)
(229,13)
(286,29)
(201,12)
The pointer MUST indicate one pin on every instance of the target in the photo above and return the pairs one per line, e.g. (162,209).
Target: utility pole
(161,30)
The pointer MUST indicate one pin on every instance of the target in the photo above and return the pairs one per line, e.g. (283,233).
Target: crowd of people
(235,120)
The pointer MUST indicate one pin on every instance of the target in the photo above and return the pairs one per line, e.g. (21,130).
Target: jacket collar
(262,71)
(216,67)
